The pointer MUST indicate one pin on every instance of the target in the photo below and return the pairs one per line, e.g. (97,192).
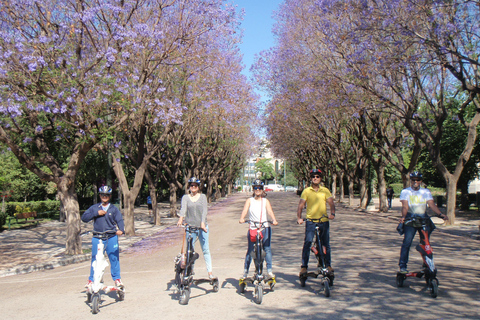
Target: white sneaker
(270,275)
(245,274)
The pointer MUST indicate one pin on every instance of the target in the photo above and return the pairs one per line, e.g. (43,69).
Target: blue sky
(257,26)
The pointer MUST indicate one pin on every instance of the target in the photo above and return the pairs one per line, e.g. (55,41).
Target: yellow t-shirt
(316,203)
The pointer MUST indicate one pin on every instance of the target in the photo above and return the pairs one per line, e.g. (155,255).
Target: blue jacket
(110,221)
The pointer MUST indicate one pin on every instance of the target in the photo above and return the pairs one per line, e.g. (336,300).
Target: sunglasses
(415,180)
(194,185)
(257,188)
(315,177)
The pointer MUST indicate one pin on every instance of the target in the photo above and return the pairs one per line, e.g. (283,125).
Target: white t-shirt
(257,211)
(417,200)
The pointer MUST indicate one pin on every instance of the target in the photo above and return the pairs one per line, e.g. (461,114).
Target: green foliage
(265,168)
(37,206)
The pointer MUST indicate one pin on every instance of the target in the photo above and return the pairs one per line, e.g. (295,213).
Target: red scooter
(425,250)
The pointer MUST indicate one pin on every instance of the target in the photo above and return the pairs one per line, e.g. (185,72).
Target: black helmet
(105,190)
(315,172)
(194,180)
(257,183)
(417,175)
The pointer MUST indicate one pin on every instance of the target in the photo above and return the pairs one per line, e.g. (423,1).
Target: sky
(257,27)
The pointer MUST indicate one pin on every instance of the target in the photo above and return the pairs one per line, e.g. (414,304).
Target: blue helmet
(416,175)
(105,190)
(194,180)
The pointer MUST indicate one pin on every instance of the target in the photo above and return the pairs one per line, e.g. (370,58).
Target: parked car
(274,187)
(291,189)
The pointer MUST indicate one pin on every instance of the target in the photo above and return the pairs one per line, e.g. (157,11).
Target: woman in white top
(257,208)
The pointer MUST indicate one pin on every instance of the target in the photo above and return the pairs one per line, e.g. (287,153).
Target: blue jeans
(407,240)
(324,238)
(113,252)
(389,203)
(267,235)
(203,236)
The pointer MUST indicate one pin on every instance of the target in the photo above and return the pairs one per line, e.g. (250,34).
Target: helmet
(194,180)
(315,172)
(105,190)
(417,175)
(257,183)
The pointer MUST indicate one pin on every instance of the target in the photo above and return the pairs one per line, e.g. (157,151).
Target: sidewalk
(465,225)
(42,247)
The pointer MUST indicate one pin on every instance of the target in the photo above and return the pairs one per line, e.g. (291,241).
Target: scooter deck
(212,281)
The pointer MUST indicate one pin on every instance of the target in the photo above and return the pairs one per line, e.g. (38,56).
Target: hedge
(37,206)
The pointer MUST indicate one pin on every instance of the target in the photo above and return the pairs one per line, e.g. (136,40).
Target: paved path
(365,250)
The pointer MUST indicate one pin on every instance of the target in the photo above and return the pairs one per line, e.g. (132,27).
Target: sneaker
(403,270)
(119,283)
(270,275)
(211,277)
(89,283)
(303,272)
(244,275)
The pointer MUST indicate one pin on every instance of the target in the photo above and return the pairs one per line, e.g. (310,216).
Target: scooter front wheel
(326,286)
(89,297)
(258,294)
(95,302)
(184,296)
(434,288)
(400,280)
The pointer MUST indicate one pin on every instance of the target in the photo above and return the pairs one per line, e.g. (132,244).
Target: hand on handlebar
(299,220)
(241,220)
(330,217)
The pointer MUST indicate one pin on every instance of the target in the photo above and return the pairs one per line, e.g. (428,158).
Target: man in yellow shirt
(316,197)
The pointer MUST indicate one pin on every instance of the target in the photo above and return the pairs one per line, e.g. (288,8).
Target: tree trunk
(334,185)
(153,196)
(68,198)
(451,200)
(342,188)
(129,195)
(173,199)
(350,192)
(382,188)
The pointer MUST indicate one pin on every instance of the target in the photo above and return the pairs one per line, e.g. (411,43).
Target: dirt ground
(365,251)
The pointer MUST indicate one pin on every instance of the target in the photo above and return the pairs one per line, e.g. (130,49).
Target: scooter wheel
(184,296)
(326,286)
(241,287)
(330,280)
(302,281)
(215,287)
(259,294)
(95,302)
(121,295)
(400,280)
(89,297)
(272,284)
(434,288)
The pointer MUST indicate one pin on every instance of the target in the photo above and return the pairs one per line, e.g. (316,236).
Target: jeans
(408,238)
(203,236)
(267,235)
(389,203)
(324,238)
(113,252)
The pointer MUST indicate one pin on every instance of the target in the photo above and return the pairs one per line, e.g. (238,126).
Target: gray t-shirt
(194,213)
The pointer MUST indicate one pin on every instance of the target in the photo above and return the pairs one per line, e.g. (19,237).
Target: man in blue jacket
(106,217)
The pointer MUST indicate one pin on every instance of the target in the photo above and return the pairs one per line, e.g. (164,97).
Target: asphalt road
(365,250)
